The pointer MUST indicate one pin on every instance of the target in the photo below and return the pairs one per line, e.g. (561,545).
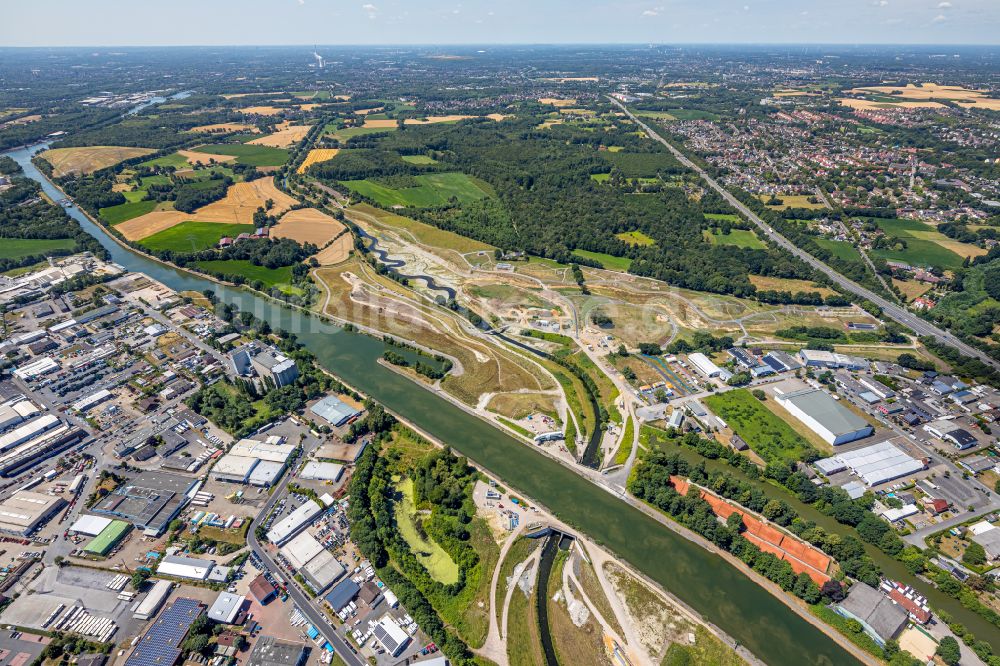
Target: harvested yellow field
(497,116)
(868,105)
(87,159)
(576,112)
(237,207)
(308,107)
(151,223)
(224,128)
(261,110)
(283,137)
(961,249)
(249,94)
(121,187)
(365,112)
(430,120)
(381,123)
(342,98)
(795,93)
(336,252)
(924,91)
(554,101)
(307,225)
(242,200)
(317,155)
(203,158)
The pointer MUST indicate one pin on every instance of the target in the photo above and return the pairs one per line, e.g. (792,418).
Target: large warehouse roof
(231,467)
(301,549)
(25,509)
(323,571)
(290,525)
(185,567)
(321,471)
(266,473)
(251,448)
(334,410)
(824,409)
(108,538)
(90,525)
(879,463)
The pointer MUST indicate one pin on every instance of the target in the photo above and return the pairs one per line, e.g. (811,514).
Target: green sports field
(271,277)
(193,236)
(15,248)
(247,154)
(434,189)
(736,237)
(126,211)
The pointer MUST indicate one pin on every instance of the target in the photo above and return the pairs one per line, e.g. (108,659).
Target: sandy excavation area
(237,207)
(307,225)
(284,137)
(87,159)
(317,155)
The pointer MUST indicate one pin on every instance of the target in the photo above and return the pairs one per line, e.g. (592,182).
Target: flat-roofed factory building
(833,422)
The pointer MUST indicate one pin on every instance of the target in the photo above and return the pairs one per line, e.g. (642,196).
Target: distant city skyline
(359,22)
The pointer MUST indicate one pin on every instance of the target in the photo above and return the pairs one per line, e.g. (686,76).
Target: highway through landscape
(891,310)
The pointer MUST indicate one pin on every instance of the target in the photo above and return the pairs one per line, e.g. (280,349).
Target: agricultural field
(840,249)
(925,245)
(260,156)
(769,437)
(115,215)
(238,207)
(307,225)
(15,248)
(636,238)
(87,159)
(271,277)
(334,130)
(200,158)
(433,189)
(243,199)
(175,160)
(286,135)
(261,110)
(317,155)
(656,115)
(737,237)
(193,236)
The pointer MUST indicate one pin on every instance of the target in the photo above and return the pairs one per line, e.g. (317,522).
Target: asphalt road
(890,309)
(305,604)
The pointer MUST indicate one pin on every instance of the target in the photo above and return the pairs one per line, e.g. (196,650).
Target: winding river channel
(706,582)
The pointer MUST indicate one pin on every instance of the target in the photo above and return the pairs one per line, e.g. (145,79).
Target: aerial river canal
(707,583)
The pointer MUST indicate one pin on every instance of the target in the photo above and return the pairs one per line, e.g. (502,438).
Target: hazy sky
(167,22)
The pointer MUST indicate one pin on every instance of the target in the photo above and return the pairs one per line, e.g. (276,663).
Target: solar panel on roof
(160,646)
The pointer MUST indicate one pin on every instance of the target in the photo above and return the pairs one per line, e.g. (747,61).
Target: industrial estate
(558,356)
